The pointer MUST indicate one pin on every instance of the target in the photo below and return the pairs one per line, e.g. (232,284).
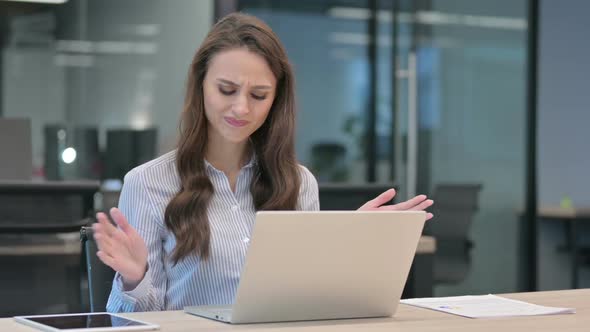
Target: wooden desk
(407,319)
(557,212)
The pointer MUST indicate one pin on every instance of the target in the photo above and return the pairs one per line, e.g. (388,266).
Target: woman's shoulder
(307,177)
(308,191)
(147,190)
(159,170)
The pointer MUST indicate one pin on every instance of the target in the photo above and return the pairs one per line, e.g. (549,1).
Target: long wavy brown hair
(276,181)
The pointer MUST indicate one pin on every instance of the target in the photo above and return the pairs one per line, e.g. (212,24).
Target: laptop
(322,265)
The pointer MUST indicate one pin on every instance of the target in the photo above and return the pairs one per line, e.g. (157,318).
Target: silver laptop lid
(326,265)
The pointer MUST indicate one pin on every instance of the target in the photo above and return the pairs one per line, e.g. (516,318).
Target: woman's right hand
(121,248)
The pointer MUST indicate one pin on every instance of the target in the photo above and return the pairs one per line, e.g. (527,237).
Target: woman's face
(239,89)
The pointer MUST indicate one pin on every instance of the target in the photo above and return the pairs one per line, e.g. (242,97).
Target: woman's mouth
(235,122)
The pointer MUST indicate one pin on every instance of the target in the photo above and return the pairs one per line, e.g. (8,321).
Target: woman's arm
(147,293)
(309,199)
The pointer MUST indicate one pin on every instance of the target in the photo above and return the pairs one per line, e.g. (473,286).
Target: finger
(106,226)
(107,259)
(99,228)
(100,217)
(422,206)
(99,234)
(103,219)
(96,228)
(429,216)
(98,238)
(104,243)
(121,221)
(115,244)
(383,198)
(410,203)
(120,238)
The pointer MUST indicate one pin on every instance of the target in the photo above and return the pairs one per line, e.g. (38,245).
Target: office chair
(100,276)
(454,209)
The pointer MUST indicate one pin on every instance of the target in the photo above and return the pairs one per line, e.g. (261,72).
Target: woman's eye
(227,92)
(258,97)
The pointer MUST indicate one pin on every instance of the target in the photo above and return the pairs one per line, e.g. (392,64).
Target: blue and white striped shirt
(146,192)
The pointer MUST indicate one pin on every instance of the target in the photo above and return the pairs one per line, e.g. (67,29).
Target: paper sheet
(485,306)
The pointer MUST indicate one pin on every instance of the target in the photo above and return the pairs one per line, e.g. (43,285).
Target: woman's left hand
(418,203)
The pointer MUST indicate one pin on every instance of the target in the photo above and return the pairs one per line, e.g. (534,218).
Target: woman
(185,218)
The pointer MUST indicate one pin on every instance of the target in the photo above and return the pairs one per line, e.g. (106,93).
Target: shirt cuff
(141,290)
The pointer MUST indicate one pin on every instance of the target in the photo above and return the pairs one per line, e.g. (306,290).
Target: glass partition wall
(427,95)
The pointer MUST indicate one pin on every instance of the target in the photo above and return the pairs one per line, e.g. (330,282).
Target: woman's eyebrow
(257,87)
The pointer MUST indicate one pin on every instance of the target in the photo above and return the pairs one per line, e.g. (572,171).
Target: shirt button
(235,207)
(246,240)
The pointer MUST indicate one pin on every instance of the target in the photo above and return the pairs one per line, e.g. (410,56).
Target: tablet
(87,322)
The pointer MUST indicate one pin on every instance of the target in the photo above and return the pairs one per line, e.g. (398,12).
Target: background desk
(570,217)
(40,251)
(407,319)
(420,281)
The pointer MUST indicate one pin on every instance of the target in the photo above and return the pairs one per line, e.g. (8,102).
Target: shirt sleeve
(136,205)
(309,199)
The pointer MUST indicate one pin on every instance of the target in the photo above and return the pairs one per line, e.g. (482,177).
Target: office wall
(331,87)
(138,81)
(480,138)
(564,102)
(33,87)
(475,151)
(564,116)
(146,86)
(563,161)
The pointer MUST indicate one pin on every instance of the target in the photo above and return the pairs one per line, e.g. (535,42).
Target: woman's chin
(237,139)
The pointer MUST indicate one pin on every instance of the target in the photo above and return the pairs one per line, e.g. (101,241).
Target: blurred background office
(477,103)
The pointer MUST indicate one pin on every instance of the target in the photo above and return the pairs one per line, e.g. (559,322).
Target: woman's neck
(226,156)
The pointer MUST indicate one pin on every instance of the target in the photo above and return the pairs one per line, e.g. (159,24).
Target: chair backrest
(100,276)
(454,209)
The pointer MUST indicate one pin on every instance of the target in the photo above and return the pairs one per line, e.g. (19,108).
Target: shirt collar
(251,163)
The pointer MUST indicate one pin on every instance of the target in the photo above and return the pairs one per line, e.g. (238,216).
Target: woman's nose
(241,106)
